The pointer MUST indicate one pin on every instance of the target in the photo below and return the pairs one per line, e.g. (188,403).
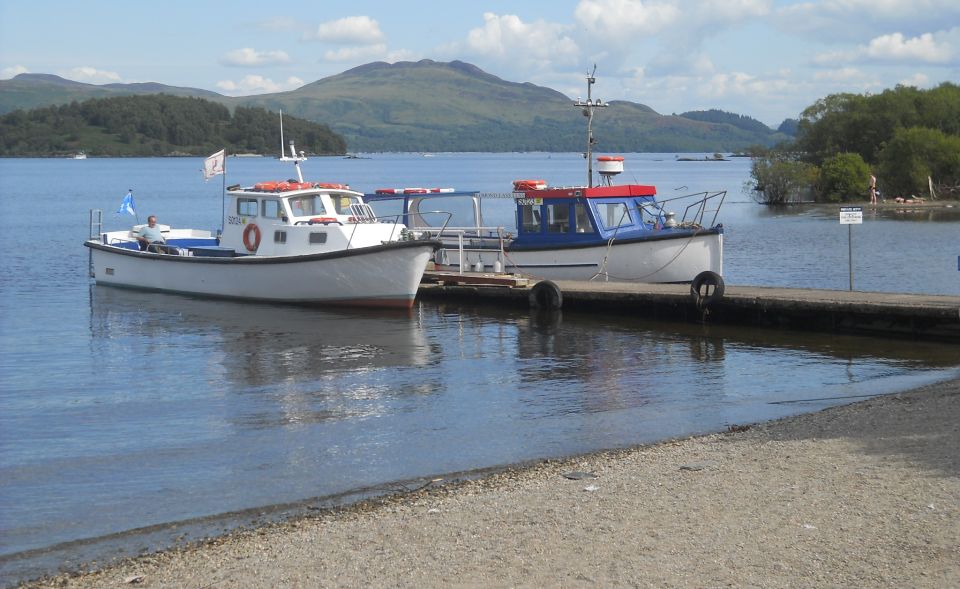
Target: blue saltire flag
(127,205)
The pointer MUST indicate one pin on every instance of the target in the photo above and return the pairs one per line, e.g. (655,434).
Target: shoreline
(864,494)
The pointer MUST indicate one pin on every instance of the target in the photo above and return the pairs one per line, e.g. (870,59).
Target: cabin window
(649,214)
(271,208)
(307,206)
(558,218)
(613,214)
(247,207)
(581,218)
(530,218)
(342,203)
(318,237)
(279,237)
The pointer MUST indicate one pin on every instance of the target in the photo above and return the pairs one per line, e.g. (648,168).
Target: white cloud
(254,84)
(353,54)
(930,48)
(525,45)
(92,75)
(622,19)
(247,57)
(918,80)
(9,72)
(670,33)
(352,30)
(896,48)
(833,20)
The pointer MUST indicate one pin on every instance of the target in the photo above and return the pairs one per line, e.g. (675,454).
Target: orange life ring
(332,186)
(255,243)
(325,220)
(521,185)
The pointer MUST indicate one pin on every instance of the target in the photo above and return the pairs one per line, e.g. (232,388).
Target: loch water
(124,412)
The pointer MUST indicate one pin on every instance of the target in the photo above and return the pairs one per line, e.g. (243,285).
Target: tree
(843,177)
(915,154)
(780,178)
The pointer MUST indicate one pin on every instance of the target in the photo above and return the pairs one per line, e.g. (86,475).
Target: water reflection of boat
(259,343)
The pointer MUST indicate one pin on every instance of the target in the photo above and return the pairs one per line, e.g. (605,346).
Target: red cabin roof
(595,192)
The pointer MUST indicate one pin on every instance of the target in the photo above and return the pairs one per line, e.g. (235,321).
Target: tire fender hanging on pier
(706,289)
(546,295)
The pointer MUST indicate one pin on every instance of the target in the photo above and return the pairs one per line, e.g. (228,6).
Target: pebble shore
(863,495)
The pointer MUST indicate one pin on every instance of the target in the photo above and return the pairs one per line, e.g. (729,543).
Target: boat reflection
(314,364)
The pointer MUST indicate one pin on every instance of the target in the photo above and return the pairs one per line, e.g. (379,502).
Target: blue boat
(615,232)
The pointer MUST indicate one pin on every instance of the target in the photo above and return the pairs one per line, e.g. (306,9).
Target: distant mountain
(436,106)
(455,106)
(27,91)
(718,116)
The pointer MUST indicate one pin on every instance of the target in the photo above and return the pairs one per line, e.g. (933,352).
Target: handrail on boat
(479,234)
(393,219)
(699,207)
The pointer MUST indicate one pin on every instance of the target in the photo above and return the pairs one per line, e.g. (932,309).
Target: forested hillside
(718,116)
(156,125)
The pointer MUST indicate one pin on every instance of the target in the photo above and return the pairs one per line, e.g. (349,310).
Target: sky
(768,59)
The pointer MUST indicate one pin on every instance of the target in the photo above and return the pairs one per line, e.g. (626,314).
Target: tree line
(905,137)
(156,125)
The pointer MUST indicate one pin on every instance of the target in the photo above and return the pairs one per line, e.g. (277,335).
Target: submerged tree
(843,177)
(779,178)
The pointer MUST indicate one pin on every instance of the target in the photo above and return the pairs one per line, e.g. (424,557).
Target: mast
(588,107)
(296,159)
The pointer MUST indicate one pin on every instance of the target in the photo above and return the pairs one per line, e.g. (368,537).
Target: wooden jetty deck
(933,317)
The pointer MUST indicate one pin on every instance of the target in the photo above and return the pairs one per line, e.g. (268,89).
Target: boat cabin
(289,218)
(543,216)
(553,216)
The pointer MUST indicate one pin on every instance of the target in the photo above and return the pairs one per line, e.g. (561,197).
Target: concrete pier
(933,317)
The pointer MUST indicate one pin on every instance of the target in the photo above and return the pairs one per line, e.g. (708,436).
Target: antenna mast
(588,107)
(296,159)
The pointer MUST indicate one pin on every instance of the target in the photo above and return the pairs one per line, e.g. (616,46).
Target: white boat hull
(673,260)
(379,276)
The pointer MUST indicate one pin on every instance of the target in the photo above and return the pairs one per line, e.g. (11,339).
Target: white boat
(606,232)
(286,241)
(80,156)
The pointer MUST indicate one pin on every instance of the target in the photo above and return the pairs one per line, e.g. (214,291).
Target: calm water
(120,410)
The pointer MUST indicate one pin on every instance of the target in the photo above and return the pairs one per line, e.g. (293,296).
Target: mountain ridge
(438,106)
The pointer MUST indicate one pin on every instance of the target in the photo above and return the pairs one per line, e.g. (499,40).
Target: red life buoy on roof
(520,185)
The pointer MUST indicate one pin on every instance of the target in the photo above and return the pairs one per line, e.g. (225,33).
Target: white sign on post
(851,215)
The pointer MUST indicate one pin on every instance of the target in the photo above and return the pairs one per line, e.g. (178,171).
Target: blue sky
(763,58)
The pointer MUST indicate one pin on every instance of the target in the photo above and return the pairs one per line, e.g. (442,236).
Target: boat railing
(477,240)
(695,212)
(362,213)
(399,231)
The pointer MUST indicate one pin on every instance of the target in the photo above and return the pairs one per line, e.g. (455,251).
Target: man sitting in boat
(150,235)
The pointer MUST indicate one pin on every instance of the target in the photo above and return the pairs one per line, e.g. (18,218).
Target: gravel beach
(864,495)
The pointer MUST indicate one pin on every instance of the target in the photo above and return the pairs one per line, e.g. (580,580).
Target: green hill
(434,106)
(28,91)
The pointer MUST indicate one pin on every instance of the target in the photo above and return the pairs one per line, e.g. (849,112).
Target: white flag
(214,165)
